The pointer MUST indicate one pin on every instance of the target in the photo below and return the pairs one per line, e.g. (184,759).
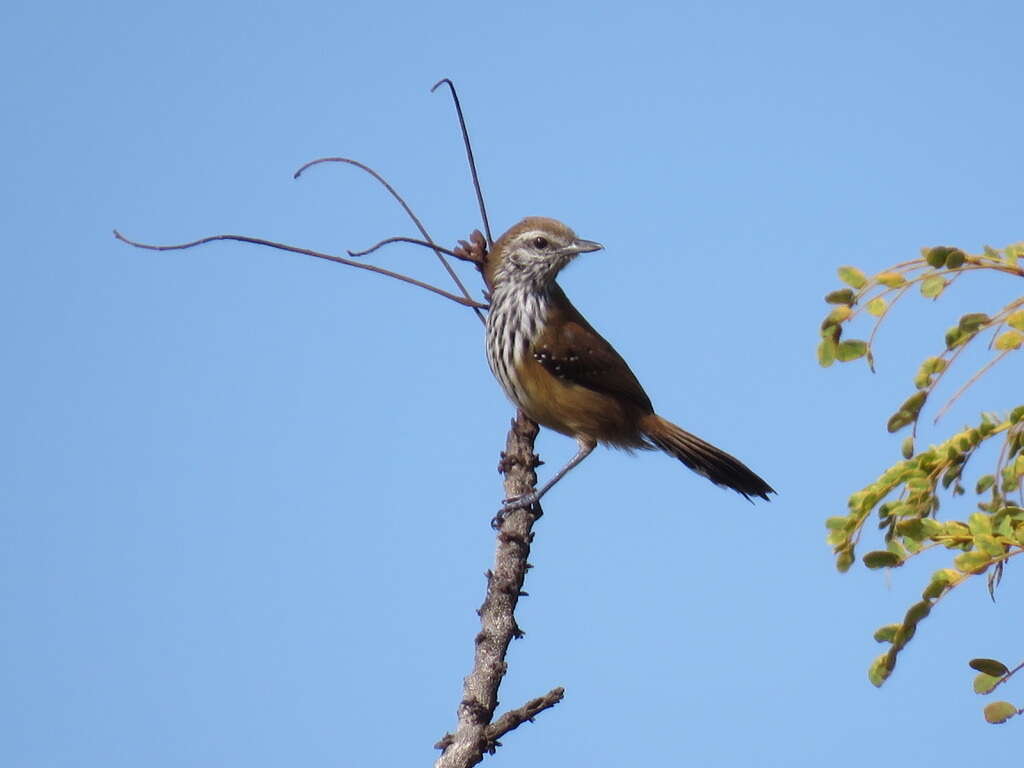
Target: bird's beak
(585,246)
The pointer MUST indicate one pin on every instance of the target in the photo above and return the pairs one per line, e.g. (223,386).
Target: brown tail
(703,458)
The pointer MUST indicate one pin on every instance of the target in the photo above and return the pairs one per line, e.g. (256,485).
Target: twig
(469,155)
(516,717)
(405,206)
(412,240)
(969,383)
(466,302)
(476,734)
(1007,676)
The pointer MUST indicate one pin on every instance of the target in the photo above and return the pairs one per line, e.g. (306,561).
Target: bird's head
(534,251)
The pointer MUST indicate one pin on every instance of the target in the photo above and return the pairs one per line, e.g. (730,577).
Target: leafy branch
(906,497)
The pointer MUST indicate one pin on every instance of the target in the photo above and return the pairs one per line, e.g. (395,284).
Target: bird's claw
(522,501)
(519,502)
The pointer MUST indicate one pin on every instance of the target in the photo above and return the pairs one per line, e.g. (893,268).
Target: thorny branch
(476,734)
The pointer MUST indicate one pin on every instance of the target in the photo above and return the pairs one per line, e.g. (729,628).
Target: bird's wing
(570,349)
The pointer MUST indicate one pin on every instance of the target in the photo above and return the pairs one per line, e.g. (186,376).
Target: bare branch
(406,208)
(516,717)
(466,302)
(474,735)
(469,155)
(412,240)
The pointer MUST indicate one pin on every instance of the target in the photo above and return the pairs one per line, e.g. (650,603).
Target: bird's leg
(587,444)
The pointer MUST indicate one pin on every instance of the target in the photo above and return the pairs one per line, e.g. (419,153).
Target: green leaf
(984,483)
(984,683)
(971,322)
(916,612)
(887,633)
(877,306)
(955,259)
(907,447)
(1016,320)
(851,350)
(918,485)
(891,279)
(928,368)
(990,545)
(882,559)
(836,316)
(999,712)
(844,558)
(979,523)
(989,667)
(1017,414)
(826,353)
(938,585)
(907,412)
(953,337)
(955,528)
(880,670)
(932,286)
(911,530)
(842,296)
(852,277)
(936,257)
(974,561)
(1009,340)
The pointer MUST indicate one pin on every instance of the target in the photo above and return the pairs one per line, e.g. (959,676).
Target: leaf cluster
(906,498)
(992,674)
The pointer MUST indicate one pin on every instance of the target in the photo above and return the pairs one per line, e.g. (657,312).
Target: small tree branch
(412,240)
(405,206)
(466,302)
(469,155)
(516,717)
(475,734)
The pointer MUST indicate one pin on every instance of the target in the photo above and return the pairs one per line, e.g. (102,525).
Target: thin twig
(469,156)
(968,384)
(466,302)
(1007,676)
(412,240)
(878,322)
(406,208)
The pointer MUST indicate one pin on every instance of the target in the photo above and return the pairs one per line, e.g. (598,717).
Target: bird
(565,376)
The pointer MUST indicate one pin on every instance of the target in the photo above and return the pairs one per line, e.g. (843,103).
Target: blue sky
(223,541)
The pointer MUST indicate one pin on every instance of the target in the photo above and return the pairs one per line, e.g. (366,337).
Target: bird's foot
(522,501)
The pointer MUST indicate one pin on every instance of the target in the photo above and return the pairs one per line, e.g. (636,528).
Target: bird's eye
(540,243)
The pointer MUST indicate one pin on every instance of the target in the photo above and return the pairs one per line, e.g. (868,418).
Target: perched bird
(555,367)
